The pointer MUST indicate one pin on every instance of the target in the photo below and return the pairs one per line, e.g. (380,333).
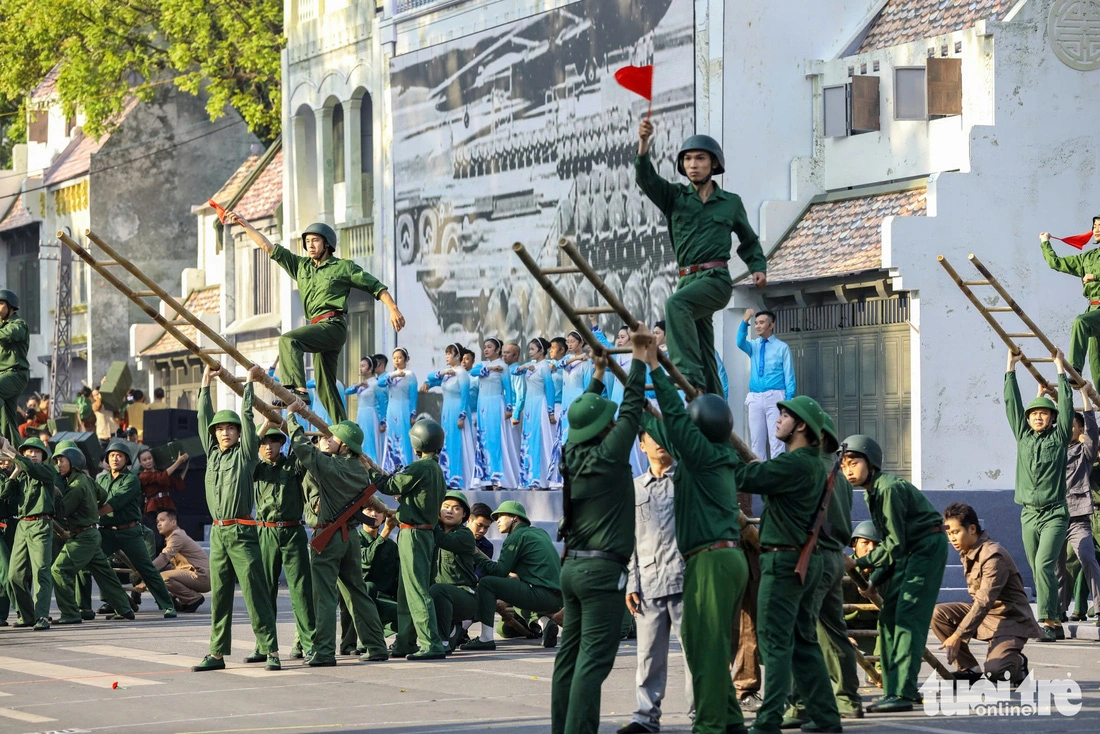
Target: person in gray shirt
(655,583)
(1081,456)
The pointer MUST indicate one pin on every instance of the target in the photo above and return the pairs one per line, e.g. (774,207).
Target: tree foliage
(109,50)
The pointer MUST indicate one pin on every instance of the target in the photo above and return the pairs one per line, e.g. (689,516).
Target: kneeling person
(183,564)
(453,588)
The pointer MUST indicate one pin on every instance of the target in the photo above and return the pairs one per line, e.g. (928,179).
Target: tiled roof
(201,301)
(229,188)
(266,193)
(76,159)
(48,85)
(17,216)
(903,21)
(840,237)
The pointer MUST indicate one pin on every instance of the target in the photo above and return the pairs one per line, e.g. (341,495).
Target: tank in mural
(521,134)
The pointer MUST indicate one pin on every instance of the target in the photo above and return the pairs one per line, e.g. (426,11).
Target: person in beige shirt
(135,413)
(183,564)
(1000,612)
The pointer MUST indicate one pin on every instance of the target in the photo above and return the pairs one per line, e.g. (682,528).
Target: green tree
(110,50)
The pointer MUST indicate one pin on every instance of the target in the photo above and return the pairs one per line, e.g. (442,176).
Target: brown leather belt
(124,526)
(235,521)
(406,526)
(713,546)
(30,518)
(158,495)
(703,266)
(280,524)
(78,529)
(326,316)
(1094,303)
(780,549)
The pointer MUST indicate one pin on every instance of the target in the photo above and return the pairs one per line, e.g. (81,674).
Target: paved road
(63,680)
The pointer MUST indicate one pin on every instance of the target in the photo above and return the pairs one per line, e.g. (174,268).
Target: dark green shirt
(381,564)
(601,479)
(15,340)
(278,488)
(791,485)
(455,556)
(836,533)
(700,231)
(35,490)
(1040,457)
(79,501)
(705,497)
(902,515)
(330,482)
(419,488)
(229,491)
(1079,265)
(325,288)
(123,495)
(529,553)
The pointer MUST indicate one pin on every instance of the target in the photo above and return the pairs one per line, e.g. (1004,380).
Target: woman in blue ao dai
(457,458)
(400,387)
(497,459)
(538,453)
(366,409)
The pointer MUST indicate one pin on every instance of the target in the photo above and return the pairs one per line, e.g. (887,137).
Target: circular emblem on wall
(1073,29)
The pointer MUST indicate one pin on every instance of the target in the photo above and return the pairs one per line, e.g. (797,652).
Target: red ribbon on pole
(218,209)
(1078,240)
(638,79)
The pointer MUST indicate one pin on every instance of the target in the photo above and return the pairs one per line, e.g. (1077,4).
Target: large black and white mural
(521,134)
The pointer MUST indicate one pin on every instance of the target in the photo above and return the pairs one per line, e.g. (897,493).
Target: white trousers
(763,415)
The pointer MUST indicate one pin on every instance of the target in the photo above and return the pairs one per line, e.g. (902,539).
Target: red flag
(638,79)
(219,209)
(1078,240)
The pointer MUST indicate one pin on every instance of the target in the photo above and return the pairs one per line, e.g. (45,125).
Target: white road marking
(175,661)
(24,716)
(82,676)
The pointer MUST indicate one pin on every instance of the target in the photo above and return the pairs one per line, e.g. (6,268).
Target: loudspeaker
(165,454)
(114,388)
(169,424)
(192,500)
(64,423)
(87,442)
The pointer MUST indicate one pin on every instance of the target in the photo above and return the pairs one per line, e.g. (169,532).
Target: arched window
(339,153)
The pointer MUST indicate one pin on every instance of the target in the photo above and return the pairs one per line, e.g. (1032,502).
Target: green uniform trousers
(7,596)
(832,635)
(387,616)
(907,606)
(689,325)
(787,626)
(520,594)
(12,385)
(453,605)
(593,590)
(80,552)
(1044,531)
(1083,340)
(131,541)
(287,550)
(29,569)
(338,573)
(235,558)
(325,341)
(415,608)
(714,581)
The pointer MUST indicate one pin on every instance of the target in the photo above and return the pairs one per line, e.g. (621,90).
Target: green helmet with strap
(9,297)
(458,496)
(866,447)
(588,415)
(350,434)
(1042,403)
(120,447)
(511,507)
(74,455)
(35,443)
(323,230)
(274,433)
(705,143)
(426,436)
(806,410)
(712,416)
(866,530)
(222,417)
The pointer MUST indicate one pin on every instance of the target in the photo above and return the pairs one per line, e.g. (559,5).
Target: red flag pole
(649,110)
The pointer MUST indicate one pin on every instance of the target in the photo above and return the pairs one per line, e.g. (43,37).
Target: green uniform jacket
(700,231)
(325,288)
(1040,457)
(529,553)
(83,407)
(455,557)
(34,490)
(278,488)
(123,495)
(836,533)
(1079,265)
(705,500)
(902,515)
(80,501)
(331,481)
(14,343)
(601,481)
(381,563)
(229,473)
(419,488)
(791,485)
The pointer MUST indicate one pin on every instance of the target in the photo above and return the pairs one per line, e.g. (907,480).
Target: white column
(325,177)
(353,158)
(303,196)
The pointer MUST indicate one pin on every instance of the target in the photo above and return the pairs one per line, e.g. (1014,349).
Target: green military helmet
(711,415)
(866,447)
(588,415)
(74,455)
(224,416)
(35,443)
(511,507)
(459,496)
(350,434)
(322,229)
(426,436)
(1042,403)
(806,410)
(68,443)
(121,448)
(9,298)
(830,442)
(274,432)
(866,530)
(705,143)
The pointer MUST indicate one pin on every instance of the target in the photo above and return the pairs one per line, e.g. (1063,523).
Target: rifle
(321,538)
(822,508)
(567,507)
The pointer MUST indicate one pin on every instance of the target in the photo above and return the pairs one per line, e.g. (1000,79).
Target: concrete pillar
(303,195)
(353,158)
(325,177)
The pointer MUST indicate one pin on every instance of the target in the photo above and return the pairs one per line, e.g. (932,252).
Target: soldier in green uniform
(324,282)
(913,552)
(14,368)
(333,478)
(791,485)
(381,570)
(232,453)
(34,490)
(1042,433)
(420,489)
(700,216)
(80,508)
(7,535)
(598,530)
(1086,327)
(864,540)
(454,580)
(528,553)
(283,543)
(832,630)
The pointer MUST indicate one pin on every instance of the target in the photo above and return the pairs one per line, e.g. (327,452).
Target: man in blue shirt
(771,379)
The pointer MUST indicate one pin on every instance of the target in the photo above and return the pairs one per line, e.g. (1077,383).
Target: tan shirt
(106,425)
(183,554)
(135,417)
(1000,606)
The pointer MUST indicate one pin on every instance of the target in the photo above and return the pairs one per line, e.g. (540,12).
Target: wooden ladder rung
(105,263)
(1039,359)
(593,310)
(871,658)
(863,633)
(976,282)
(998,309)
(211,351)
(620,350)
(564,270)
(145,294)
(1023,335)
